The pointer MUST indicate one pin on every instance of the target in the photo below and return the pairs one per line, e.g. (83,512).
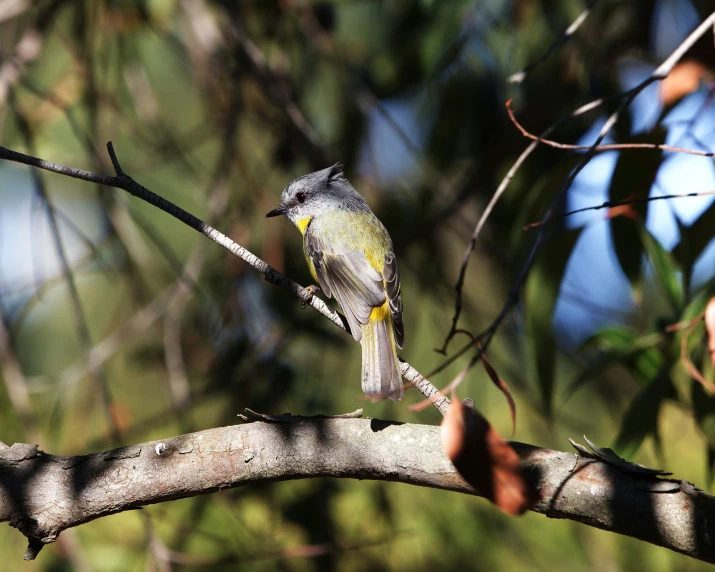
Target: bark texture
(43,494)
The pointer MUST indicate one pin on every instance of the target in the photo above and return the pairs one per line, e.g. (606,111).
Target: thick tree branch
(42,494)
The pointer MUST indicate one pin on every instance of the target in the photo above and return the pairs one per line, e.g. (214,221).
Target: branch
(611,204)
(126,183)
(42,494)
(519,76)
(601,148)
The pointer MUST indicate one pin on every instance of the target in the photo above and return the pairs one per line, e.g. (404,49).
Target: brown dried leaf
(503,387)
(626,211)
(485,460)
(683,80)
(710,327)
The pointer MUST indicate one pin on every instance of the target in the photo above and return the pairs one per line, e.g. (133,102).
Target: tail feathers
(380,367)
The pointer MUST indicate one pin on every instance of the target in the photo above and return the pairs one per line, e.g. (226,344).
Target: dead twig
(601,148)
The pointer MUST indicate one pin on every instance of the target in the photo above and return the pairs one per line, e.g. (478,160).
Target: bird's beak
(276,212)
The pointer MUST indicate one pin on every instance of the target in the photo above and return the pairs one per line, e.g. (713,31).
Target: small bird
(350,255)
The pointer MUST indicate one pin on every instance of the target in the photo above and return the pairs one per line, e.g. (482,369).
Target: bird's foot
(312,289)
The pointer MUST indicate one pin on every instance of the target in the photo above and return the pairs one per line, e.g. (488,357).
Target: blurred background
(121,325)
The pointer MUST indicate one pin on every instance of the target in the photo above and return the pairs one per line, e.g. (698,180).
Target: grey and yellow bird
(350,255)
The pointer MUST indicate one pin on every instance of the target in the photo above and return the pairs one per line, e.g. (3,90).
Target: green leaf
(694,239)
(541,292)
(632,179)
(628,247)
(614,337)
(620,345)
(646,363)
(666,270)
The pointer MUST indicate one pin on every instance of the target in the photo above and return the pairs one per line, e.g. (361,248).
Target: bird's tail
(380,367)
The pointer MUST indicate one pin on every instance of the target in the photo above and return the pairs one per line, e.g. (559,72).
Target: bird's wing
(348,276)
(391,275)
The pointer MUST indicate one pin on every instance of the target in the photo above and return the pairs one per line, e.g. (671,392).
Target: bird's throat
(303,223)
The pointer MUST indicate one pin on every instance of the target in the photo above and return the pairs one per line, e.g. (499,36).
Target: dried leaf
(485,460)
(626,211)
(710,327)
(684,79)
(493,375)
(503,387)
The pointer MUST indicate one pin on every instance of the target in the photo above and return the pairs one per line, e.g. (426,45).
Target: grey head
(317,193)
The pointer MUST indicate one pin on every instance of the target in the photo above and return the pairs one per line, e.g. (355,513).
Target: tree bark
(42,494)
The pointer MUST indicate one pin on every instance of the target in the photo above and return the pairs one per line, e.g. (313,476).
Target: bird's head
(315,193)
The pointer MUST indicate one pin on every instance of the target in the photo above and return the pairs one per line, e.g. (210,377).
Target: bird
(350,254)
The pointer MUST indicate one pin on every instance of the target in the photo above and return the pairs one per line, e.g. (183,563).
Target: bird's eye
(300,197)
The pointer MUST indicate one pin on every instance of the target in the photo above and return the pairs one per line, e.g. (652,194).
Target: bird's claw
(312,289)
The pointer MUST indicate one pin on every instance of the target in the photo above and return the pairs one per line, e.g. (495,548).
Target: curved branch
(601,148)
(42,494)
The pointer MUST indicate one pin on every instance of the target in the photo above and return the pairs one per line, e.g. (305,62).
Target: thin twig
(126,183)
(689,366)
(601,148)
(684,325)
(519,76)
(609,204)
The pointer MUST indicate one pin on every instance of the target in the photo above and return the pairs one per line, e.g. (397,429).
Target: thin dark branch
(126,183)
(519,76)
(610,204)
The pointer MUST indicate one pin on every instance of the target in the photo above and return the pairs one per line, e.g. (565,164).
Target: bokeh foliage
(216,106)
